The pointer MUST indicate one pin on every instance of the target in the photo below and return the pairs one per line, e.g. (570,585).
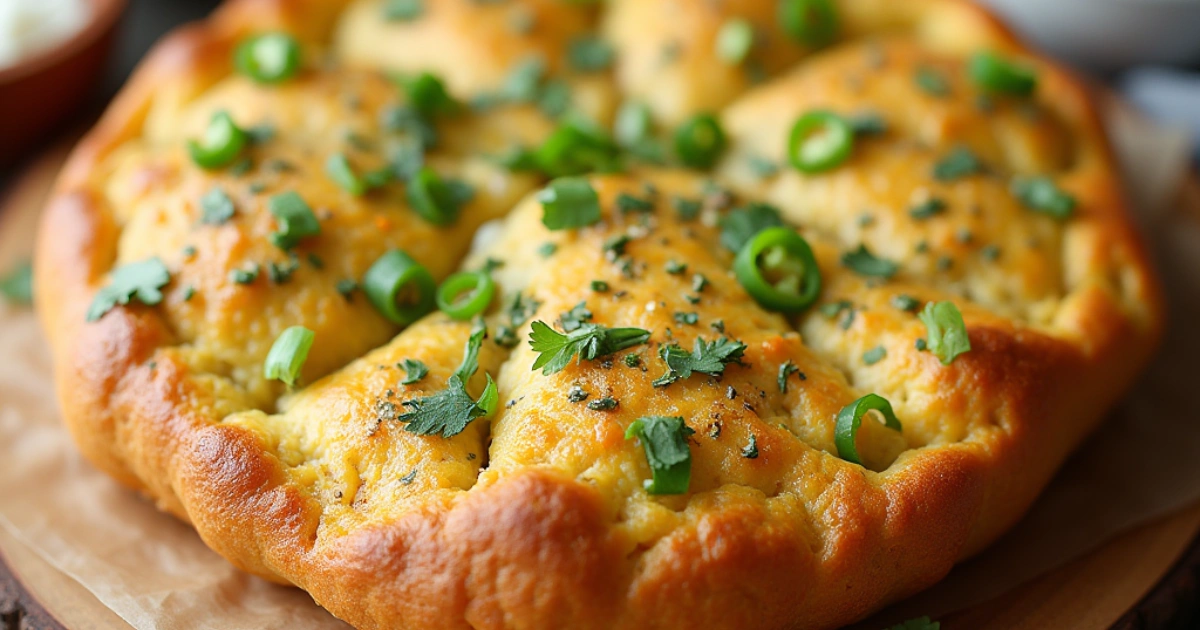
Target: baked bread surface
(537,517)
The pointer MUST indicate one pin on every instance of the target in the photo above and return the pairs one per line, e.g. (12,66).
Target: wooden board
(1119,586)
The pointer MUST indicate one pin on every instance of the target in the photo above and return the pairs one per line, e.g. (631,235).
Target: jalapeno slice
(820,141)
(777,268)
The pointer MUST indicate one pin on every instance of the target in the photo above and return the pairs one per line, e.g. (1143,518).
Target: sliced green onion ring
(465,295)
(820,141)
(400,288)
(810,22)
(699,141)
(222,142)
(777,268)
(995,74)
(849,419)
(288,354)
(268,58)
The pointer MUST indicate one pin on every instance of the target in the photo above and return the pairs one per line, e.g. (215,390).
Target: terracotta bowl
(40,92)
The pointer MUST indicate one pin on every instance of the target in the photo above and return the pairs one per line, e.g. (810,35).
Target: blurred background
(1147,49)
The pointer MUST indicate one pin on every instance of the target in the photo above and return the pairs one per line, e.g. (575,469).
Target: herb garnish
(414,371)
(139,281)
(215,207)
(706,357)
(864,263)
(742,224)
(946,329)
(450,410)
(569,202)
(665,441)
(588,342)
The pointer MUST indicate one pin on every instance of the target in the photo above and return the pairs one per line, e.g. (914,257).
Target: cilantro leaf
(450,410)
(1041,194)
(665,440)
(589,54)
(414,371)
(742,224)
(569,202)
(216,207)
(864,263)
(786,369)
(959,162)
(576,317)
(920,623)
(706,357)
(588,342)
(140,280)
(17,286)
(946,331)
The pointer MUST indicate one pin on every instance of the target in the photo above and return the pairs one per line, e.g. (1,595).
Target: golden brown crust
(539,535)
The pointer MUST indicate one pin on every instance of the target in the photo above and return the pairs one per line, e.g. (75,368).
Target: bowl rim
(104,16)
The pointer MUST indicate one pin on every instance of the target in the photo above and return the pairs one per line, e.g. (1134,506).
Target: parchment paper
(156,573)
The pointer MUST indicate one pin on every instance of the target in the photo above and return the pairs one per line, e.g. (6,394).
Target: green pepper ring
(482,289)
(746,267)
(849,419)
(835,149)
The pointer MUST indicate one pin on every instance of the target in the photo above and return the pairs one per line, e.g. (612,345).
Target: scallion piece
(465,295)
(428,96)
(849,420)
(296,220)
(820,141)
(288,354)
(997,75)
(268,58)
(810,22)
(222,142)
(777,268)
(665,441)
(399,288)
(699,141)
(945,330)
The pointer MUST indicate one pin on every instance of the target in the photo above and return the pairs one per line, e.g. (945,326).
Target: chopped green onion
(222,142)
(268,58)
(296,220)
(849,420)
(568,203)
(810,22)
(342,173)
(777,268)
(995,74)
(699,141)
(288,354)
(478,287)
(820,141)
(438,201)
(399,288)
(734,41)
(665,441)
(1041,194)
(946,331)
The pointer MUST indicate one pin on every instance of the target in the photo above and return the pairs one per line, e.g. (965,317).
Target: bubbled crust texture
(536,518)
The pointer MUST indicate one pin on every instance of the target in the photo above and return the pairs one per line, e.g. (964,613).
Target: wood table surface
(1145,579)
